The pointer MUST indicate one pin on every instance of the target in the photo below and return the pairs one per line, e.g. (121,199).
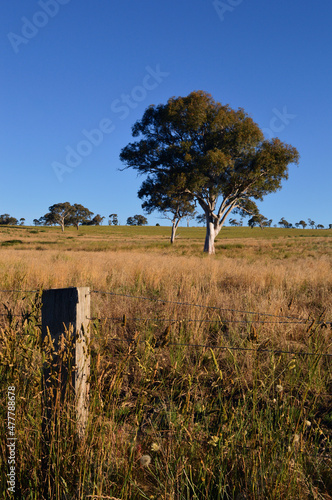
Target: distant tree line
(260,221)
(65,214)
(312,224)
(7,220)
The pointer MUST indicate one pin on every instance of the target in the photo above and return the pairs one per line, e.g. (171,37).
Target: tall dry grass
(242,422)
(298,286)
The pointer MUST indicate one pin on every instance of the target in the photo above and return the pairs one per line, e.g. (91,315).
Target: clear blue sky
(69,67)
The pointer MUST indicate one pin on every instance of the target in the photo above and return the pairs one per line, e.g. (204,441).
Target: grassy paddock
(237,423)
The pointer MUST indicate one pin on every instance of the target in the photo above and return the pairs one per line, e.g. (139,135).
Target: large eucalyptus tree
(215,155)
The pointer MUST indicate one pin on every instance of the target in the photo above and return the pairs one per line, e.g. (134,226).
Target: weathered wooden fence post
(66,312)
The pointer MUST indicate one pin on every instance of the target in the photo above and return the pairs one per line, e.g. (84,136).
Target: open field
(242,422)
(240,242)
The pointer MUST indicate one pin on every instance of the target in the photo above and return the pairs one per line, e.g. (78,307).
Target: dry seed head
(145,460)
(155,447)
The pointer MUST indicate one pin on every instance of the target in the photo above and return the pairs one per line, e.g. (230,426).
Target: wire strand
(188,304)
(197,305)
(243,321)
(231,348)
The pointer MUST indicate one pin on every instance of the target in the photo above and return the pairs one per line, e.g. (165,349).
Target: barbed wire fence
(256,318)
(282,320)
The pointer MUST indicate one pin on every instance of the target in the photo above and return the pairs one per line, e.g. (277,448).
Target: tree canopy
(284,223)
(113,220)
(160,194)
(65,214)
(96,221)
(137,220)
(211,153)
(79,215)
(259,220)
(8,220)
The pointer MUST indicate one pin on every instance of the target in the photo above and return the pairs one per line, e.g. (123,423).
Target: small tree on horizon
(159,194)
(311,223)
(137,220)
(140,220)
(59,214)
(259,220)
(113,220)
(96,221)
(303,224)
(79,215)
(234,222)
(8,220)
(284,223)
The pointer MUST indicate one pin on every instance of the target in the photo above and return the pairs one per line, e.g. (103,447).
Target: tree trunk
(175,223)
(209,238)
(173,232)
(62,226)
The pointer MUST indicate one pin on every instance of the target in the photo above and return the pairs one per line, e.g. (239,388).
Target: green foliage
(96,221)
(65,214)
(7,220)
(284,223)
(137,220)
(259,220)
(160,194)
(206,151)
(59,213)
(79,215)
(113,220)
(303,224)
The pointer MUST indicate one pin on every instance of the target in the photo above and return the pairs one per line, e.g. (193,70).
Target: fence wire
(191,304)
(299,321)
(220,321)
(216,308)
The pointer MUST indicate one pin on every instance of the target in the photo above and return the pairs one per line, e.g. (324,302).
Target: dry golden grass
(214,422)
(297,286)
